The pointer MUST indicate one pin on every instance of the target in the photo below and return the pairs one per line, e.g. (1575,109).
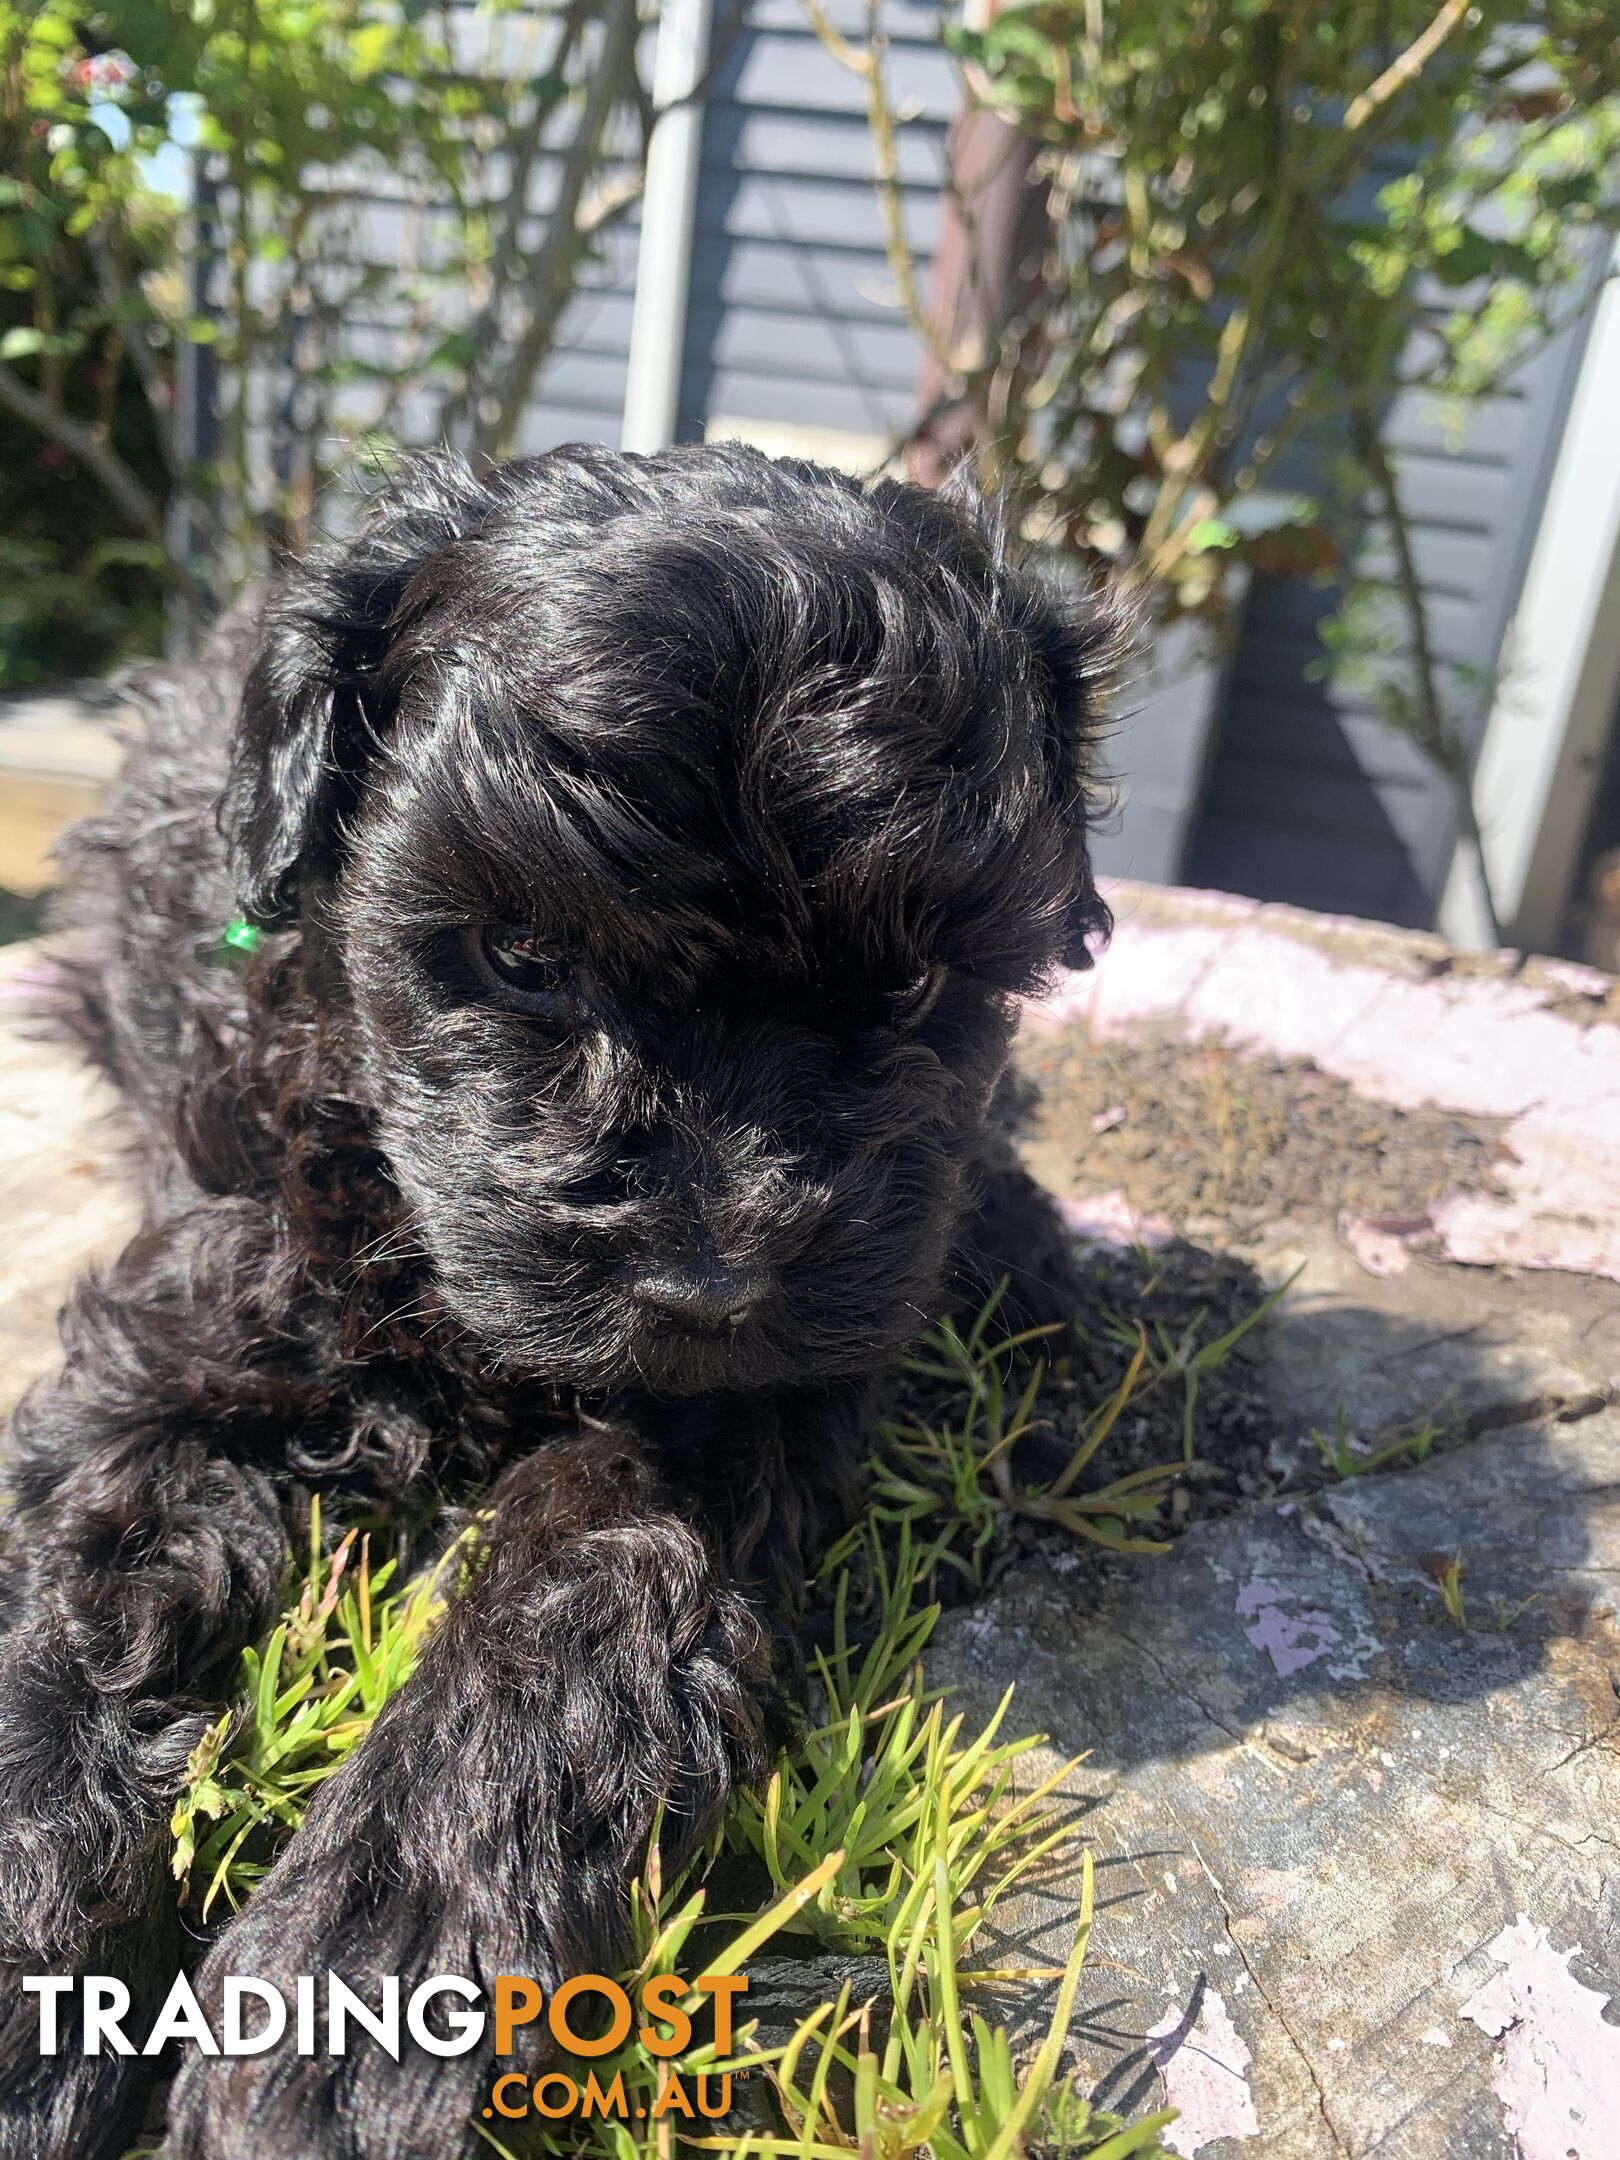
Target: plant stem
(523,151)
(239,509)
(1167,534)
(1436,738)
(1408,67)
(886,166)
(551,274)
(98,457)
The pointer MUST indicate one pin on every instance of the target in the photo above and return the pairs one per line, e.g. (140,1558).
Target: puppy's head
(684,828)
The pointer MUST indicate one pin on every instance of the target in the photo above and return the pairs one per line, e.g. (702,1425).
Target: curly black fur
(785,780)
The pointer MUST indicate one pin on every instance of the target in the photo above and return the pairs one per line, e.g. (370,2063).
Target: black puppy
(650,852)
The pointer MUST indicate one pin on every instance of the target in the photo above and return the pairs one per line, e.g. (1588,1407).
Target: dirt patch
(1204,1134)
(1234,1151)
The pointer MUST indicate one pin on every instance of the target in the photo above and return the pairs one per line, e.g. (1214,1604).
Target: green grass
(1346,1461)
(1185,1360)
(349,1640)
(891,1829)
(953,1481)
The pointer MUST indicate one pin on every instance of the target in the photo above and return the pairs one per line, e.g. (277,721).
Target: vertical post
(652,389)
(1544,741)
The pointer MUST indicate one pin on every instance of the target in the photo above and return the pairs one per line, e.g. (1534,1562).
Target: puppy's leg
(146,1548)
(1015,1232)
(598,1666)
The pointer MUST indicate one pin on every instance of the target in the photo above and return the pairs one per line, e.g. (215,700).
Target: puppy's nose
(702,1295)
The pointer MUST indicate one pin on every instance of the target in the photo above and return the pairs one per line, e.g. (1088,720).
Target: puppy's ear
(1078,635)
(1075,636)
(309,712)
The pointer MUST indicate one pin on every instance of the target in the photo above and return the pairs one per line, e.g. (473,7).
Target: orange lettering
(722,1986)
(661,1998)
(570,2098)
(590,1984)
(672,2096)
(512,2114)
(517,2002)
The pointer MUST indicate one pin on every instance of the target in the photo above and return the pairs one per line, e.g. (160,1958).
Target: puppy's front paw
(83,1890)
(578,1693)
(69,2104)
(319,1912)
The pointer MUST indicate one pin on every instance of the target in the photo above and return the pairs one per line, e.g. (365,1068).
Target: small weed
(1345,1460)
(1184,1359)
(307,1699)
(1448,1578)
(954,1480)
(953,1483)
(1509,1616)
(1152,1269)
(930,1838)
(888,1782)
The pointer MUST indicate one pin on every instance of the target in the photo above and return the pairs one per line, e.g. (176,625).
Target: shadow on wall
(1311,800)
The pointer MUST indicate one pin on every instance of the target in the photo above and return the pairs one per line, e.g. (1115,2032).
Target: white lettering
(181,2018)
(342,2003)
(50,1988)
(466,2026)
(105,2002)
(236,2040)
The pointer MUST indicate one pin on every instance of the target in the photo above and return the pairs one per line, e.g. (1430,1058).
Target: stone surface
(57,755)
(1310,1792)
(1532,1043)
(1361,1863)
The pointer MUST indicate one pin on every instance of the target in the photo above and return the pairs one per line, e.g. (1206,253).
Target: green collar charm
(239,935)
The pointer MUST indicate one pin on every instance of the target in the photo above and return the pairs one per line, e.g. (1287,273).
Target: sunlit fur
(755,751)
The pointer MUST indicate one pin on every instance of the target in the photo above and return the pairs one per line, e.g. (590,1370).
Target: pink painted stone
(1292,1640)
(1380,1243)
(1577,976)
(1193,903)
(1557,2070)
(1109,1218)
(1204,2073)
(1485,1047)
(1149,974)
(1595,1118)
(1273,993)
(1563,1168)
(1483,1232)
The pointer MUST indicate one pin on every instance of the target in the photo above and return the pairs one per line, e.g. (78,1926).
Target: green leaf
(23,343)
(1212,532)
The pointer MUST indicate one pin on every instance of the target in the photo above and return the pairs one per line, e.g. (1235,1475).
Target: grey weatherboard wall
(1310,798)
(792,320)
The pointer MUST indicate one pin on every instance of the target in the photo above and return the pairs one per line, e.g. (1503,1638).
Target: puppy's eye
(909,1007)
(530,970)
